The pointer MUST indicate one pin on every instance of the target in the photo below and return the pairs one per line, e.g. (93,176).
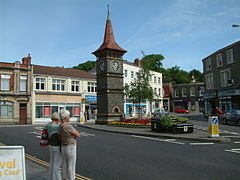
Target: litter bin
(213,126)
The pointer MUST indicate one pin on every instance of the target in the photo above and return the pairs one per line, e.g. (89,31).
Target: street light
(235,25)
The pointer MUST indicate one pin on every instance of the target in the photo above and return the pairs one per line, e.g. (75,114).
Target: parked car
(181,110)
(160,112)
(232,116)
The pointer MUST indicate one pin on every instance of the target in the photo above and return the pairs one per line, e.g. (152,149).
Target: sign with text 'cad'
(12,163)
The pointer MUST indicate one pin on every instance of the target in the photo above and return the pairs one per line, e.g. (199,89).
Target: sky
(66,32)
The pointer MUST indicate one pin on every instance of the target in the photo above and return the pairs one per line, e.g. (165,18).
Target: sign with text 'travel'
(12,163)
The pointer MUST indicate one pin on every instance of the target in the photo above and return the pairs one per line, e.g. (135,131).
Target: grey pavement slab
(35,171)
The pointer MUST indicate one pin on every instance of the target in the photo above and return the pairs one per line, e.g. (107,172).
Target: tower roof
(108,40)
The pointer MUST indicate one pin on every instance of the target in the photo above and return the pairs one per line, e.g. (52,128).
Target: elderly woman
(55,162)
(69,146)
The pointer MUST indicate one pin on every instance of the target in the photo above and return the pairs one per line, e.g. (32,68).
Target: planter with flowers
(139,123)
(171,124)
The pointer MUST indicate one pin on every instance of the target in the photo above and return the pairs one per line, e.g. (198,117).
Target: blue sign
(91,98)
(215,120)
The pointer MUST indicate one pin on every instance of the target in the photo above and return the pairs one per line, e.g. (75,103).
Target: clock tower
(110,98)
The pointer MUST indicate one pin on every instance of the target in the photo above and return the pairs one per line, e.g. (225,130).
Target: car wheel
(224,121)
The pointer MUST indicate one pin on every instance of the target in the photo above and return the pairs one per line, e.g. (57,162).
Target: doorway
(22,113)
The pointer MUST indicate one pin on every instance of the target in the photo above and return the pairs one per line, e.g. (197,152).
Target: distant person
(55,162)
(86,115)
(68,135)
(219,113)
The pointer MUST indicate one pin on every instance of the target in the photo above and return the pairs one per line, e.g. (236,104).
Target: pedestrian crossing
(220,131)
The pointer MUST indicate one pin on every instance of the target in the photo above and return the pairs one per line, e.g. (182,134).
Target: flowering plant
(133,123)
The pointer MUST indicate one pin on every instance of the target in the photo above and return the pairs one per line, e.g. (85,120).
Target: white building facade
(130,71)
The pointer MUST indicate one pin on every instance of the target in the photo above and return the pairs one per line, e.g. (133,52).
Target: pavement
(37,169)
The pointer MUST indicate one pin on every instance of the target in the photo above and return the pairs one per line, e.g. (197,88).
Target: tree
(87,66)
(153,62)
(139,90)
(176,75)
(198,76)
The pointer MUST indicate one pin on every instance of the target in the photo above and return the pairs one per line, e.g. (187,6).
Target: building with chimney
(222,78)
(15,92)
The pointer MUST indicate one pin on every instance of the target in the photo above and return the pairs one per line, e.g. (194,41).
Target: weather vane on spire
(108,15)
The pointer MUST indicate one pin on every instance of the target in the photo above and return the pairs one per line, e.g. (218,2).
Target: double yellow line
(39,161)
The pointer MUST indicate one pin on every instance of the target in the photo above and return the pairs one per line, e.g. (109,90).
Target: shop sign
(91,98)
(76,111)
(47,111)
(12,163)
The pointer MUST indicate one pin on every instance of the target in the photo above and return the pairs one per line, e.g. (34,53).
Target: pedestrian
(219,113)
(68,136)
(86,115)
(55,162)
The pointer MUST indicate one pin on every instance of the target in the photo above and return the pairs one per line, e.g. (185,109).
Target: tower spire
(108,40)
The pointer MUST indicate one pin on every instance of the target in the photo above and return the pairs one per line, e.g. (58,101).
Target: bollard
(213,126)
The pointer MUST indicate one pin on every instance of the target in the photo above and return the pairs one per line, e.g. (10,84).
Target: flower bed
(132,123)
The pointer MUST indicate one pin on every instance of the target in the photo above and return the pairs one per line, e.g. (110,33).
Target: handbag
(44,141)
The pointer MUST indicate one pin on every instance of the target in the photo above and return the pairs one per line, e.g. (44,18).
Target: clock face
(115,65)
(102,66)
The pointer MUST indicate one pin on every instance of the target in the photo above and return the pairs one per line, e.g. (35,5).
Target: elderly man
(69,146)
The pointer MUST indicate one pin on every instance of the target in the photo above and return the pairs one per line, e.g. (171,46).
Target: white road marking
(233,150)
(231,136)
(38,128)
(201,143)
(162,140)
(237,142)
(39,137)
(86,134)
(35,133)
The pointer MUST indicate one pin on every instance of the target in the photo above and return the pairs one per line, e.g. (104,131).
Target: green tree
(176,75)
(153,62)
(139,90)
(198,76)
(87,66)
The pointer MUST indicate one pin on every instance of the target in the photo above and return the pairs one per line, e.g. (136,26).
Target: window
(219,60)
(225,76)
(155,79)
(40,83)
(208,64)
(155,90)
(58,85)
(126,73)
(201,91)
(159,80)
(229,55)
(132,74)
(192,91)
(176,93)
(6,109)
(159,91)
(92,87)
(75,86)
(184,93)
(209,81)
(150,78)
(5,82)
(23,83)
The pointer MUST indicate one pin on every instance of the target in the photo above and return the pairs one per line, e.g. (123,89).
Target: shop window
(6,109)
